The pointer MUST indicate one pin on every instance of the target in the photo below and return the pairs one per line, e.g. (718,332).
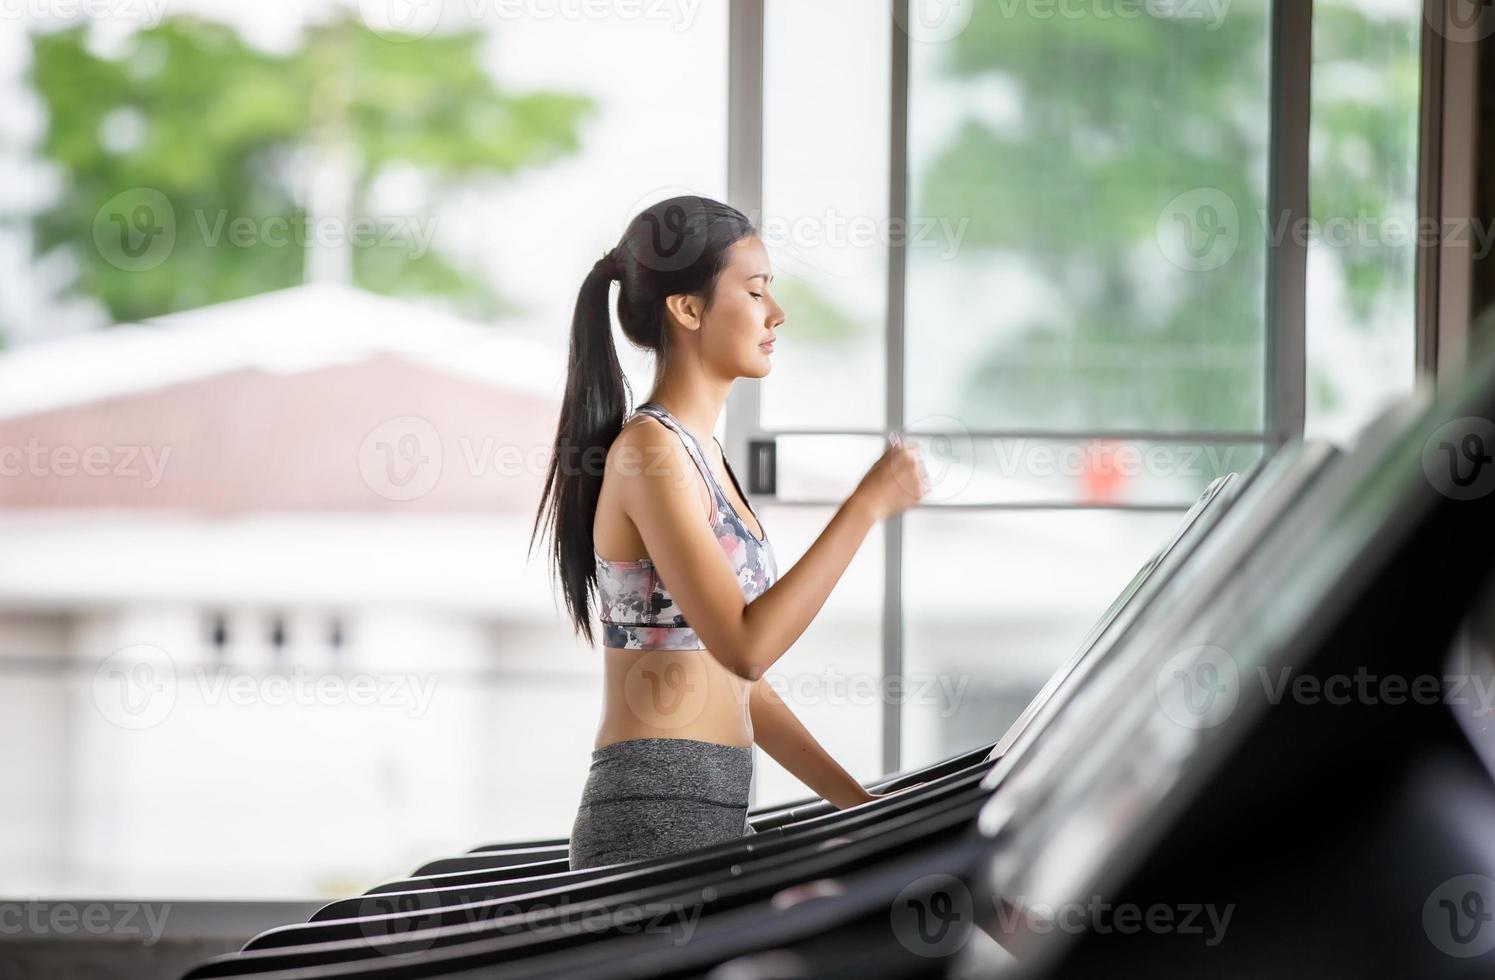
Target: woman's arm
(777,618)
(785,738)
(663,496)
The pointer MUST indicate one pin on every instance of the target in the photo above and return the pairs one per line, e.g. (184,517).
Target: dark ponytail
(675,247)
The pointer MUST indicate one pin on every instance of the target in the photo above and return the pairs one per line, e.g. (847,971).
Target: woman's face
(742,316)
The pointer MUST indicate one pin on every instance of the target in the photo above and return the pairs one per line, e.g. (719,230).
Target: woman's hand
(895,482)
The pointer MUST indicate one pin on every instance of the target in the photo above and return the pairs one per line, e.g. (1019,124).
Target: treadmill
(1345,838)
(1346,825)
(1116,618)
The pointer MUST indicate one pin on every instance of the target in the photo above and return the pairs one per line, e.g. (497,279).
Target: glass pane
(1363,192)
(831,678)
(996,602)
(825,194)
(1093,258)
(967,471)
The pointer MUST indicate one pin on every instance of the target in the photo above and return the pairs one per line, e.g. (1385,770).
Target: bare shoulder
(646,449)
(651,467)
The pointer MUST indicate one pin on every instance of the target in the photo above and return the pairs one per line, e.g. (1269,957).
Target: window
(1362,239)
(1081,337)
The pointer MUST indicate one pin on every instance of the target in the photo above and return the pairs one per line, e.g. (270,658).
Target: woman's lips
(767,346)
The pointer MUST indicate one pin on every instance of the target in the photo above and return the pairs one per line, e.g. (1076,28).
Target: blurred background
(286,301)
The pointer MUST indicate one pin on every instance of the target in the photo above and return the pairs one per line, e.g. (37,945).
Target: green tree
(1119,116)
(194,126)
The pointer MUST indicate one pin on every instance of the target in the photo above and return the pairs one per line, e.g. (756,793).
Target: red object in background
(1103,479)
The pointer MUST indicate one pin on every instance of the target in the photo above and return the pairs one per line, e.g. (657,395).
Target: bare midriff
(665,693)
(672,694)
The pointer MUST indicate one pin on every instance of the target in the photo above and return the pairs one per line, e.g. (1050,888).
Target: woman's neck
(697,410)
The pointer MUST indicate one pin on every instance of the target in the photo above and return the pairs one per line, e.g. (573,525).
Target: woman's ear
(685,308)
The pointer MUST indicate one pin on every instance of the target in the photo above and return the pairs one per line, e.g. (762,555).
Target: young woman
(690,601)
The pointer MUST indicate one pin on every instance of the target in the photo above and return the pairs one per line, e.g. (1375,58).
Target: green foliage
(225,133)
(1118,117)
(1361,161)
(815,318)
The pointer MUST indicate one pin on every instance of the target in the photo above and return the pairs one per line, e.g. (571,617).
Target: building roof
(286,331)
(319,397)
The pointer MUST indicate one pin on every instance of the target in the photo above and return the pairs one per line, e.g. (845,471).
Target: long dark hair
(677,246)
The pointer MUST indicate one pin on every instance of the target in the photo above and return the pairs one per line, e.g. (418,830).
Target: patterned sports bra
(636,610)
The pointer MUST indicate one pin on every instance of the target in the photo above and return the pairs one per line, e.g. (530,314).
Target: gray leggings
(650,797)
